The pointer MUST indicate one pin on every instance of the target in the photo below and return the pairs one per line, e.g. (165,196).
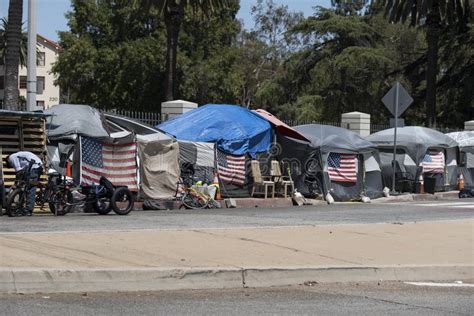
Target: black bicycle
(55,193)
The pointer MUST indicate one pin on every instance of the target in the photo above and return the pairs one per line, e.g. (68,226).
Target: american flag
(433,162)
(116,162)
(342,167)
(231,168)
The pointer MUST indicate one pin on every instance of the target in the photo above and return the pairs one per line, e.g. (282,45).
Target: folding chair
(280,180)
(261,182)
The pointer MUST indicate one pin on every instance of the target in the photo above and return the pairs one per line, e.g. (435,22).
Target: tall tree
(173,12)
(12,55)
(3,44)
(432,14)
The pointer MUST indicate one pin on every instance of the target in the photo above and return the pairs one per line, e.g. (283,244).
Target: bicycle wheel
(122,201)
(16,202)
(102,206)
(40,197)
(58,203)
(192,201)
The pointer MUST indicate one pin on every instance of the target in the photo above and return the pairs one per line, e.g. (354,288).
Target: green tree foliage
(342,68)
(113,56)
(3,43)
(174,13)
(261,53)
(434,15)
(308,69)
(207,56)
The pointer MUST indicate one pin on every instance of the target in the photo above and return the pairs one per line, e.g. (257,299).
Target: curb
(157,279)
(451,195)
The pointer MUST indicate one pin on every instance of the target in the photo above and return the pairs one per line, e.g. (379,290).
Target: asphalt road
(321,299)
(251,217)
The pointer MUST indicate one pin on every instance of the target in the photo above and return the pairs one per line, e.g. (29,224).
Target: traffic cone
(421,182)
(216,184)
(461,181)
(68,169)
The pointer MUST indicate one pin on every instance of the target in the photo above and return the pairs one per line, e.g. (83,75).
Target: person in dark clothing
(20,162)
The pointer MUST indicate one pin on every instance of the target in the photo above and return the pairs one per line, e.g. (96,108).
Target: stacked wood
(21,133)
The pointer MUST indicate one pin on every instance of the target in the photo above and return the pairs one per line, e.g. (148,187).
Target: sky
(51,17)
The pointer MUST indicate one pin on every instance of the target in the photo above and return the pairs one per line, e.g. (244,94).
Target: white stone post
(469,126)
(174,108)
(357,122)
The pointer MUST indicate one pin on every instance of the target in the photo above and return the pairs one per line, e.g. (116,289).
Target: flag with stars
(433,162)
(342,167)
(117,162)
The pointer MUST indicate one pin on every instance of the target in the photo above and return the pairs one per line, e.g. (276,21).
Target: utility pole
(31,62)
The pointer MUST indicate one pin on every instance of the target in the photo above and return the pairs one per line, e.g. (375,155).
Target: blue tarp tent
(234,129)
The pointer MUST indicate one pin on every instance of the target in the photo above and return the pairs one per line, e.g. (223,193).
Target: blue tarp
(234,129)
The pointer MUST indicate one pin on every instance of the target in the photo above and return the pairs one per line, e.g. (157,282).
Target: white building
(47,93)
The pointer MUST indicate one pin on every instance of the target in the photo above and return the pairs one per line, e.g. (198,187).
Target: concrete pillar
(357,122)
(174,108)
(469,125)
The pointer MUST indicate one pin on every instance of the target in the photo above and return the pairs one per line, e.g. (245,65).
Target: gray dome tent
(313,163)
(413,145)
(466,162)
(157,152)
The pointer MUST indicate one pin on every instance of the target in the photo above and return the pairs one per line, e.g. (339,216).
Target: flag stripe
(342,167)
(433,162)
(231,168)
(116,162)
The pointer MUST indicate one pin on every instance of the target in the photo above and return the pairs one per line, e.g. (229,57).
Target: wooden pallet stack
(20,132)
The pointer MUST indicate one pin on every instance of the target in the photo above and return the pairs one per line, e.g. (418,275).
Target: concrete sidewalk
(220,258)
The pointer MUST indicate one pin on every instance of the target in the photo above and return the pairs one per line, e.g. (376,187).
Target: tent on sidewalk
(335,160)
(237,134)
(420,150)
(235,130)
(465,140)
(131,145)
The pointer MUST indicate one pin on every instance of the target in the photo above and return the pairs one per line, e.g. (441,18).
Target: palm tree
(432,14)
(12,55)
(3,44)
(173,12)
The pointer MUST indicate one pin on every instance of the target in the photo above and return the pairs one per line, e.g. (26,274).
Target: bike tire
(102,206)
(193,202)
(58,204)
(122,201)
(16,202)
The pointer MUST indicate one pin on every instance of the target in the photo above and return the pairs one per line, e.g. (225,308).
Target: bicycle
(54,193)
(192,198)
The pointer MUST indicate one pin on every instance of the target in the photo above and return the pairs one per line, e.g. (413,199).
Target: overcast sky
(51,13)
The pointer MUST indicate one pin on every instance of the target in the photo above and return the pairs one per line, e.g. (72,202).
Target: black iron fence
(303,122)
(153,118)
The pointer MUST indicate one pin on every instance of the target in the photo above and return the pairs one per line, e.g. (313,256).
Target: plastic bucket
(430,184)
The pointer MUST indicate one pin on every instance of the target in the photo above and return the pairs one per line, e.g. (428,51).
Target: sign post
(397,100)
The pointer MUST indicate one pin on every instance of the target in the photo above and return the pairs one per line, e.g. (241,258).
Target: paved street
(323,299)
(346,213)
(232,248)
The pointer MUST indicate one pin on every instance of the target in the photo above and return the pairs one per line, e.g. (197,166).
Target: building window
(22,82)
(40,104)
(40,85)
(41,61)
(2,82)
